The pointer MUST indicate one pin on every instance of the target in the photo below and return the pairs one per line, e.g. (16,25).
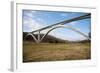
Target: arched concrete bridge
(59,25)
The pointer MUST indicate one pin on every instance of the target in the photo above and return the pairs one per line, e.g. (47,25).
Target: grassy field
(55,51)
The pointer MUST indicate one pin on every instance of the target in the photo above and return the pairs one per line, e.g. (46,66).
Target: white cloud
(31,22)
(73,23)
(31,25)
(30,14)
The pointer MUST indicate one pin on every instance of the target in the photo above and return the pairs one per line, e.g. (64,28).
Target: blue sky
(33,20)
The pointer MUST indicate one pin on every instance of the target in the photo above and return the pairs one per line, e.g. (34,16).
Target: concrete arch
(32,35)
(69,27)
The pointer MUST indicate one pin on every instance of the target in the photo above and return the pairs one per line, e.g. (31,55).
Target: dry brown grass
(55,52)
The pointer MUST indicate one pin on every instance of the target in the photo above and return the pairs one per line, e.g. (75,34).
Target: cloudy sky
(33,20)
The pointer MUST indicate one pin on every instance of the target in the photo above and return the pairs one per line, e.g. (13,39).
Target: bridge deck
(65,21)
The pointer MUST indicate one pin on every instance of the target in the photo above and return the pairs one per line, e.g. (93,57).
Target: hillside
(51,39)
(47,39)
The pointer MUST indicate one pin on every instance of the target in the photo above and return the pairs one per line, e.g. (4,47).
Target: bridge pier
(38,39)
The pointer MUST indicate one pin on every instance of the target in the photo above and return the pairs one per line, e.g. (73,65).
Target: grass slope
(55,51)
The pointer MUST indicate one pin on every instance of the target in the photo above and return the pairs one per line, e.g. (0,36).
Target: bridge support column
(38,37)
